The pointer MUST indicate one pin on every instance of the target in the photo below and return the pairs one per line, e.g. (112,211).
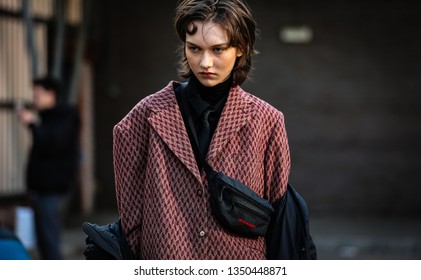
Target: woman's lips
(207,74)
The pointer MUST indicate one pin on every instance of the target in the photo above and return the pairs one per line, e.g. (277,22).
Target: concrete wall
(352,97)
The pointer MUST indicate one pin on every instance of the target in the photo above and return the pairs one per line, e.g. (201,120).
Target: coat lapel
(168,123)
(237,112)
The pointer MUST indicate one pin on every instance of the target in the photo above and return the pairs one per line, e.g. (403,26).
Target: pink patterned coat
(161,194)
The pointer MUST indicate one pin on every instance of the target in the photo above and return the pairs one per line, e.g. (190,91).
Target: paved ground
(336,239)
(367,238)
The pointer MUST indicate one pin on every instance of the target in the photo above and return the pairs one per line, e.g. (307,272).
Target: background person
(53,162)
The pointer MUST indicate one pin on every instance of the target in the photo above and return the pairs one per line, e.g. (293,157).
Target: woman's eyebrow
(213,46)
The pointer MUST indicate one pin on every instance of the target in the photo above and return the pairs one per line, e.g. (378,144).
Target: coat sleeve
(278,161)
(130,138)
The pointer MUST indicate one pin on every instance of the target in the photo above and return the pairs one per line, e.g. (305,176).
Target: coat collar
(237,112)
(167,121)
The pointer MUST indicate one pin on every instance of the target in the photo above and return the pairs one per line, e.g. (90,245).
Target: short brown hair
(235,18)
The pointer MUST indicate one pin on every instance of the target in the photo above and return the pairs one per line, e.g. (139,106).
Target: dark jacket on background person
(53,159)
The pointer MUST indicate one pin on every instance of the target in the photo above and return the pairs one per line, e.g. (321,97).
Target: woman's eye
(193,49)
(218,50)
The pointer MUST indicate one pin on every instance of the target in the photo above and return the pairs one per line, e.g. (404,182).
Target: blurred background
(346,74)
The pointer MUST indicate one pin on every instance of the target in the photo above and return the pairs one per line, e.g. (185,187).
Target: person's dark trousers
(47,213)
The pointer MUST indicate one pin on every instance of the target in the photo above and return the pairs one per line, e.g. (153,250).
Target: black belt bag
(238,208)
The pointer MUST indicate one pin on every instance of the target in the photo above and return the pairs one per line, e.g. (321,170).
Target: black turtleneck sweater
(194,100)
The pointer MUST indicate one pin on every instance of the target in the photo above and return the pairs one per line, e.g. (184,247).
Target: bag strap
(179,91)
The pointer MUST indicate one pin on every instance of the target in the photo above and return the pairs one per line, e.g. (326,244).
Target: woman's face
(208,53)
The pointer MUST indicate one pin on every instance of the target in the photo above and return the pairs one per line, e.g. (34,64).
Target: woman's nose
(206,61)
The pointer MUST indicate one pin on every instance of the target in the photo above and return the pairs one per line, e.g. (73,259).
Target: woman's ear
(239,52)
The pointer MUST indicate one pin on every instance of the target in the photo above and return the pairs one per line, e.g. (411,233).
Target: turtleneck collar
(212,95)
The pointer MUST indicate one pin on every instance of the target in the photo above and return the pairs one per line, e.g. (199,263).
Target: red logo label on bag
(247,223)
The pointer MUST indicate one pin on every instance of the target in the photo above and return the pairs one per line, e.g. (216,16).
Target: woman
(160,183)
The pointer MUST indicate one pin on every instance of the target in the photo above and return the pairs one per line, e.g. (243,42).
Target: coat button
(199,192)
(202,233)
